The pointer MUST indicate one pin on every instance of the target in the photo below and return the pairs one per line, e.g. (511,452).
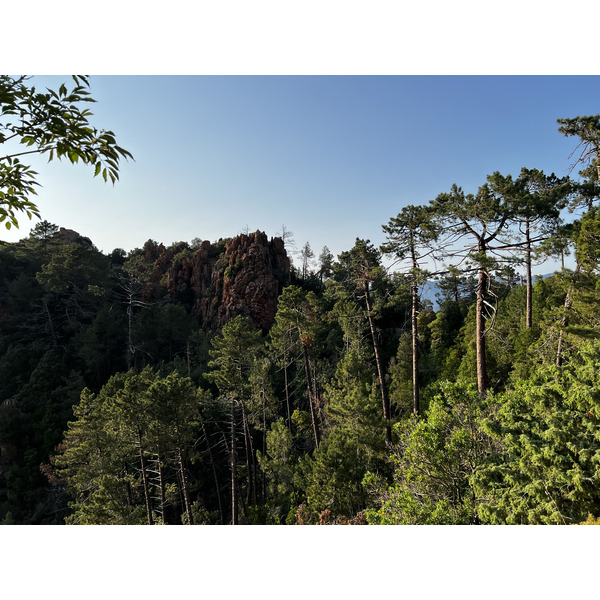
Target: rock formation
(217,282)
(72,237)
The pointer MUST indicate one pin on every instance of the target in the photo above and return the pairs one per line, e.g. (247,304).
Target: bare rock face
(217,282)
(253,279)
(72,237)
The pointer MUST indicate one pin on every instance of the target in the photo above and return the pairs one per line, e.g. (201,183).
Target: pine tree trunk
(310,396)
(382,383)
(145,480)
(317,394)
(214,468)
(50,325)
(529,308)
(264,446)
(482,379)
(233,464)
(415,333)
(287,393)
(128,488)
(185,486)
(564,322)
(188,359)
(251,491)
(415,349)
(161,484)
(130,349)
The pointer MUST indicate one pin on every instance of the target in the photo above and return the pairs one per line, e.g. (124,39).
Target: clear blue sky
(331,157)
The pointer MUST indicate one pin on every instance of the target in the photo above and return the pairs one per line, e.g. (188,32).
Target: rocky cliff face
(72,237)
(217,282)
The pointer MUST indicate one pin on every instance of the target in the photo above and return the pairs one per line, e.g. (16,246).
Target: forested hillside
(235,381)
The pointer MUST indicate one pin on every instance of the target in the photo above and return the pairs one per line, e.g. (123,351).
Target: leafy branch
(53,123)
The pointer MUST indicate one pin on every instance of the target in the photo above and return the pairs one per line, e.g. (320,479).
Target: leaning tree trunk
(378,361)
(313,412)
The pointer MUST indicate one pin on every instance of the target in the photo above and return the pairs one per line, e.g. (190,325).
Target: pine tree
(325,264)
(483,217)
(547,426)
(537,201)
(587,129)
(411,237)
(125,444)
(358,270)
(306,255)
(435,460)
(235,354)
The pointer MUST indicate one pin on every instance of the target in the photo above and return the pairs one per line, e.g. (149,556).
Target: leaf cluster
(54,124)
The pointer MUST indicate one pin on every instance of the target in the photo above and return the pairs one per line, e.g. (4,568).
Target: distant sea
(430,289)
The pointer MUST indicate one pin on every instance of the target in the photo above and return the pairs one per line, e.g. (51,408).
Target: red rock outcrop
(217,284)
(72,237)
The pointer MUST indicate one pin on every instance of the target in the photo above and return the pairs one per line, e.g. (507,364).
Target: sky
(331,158)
